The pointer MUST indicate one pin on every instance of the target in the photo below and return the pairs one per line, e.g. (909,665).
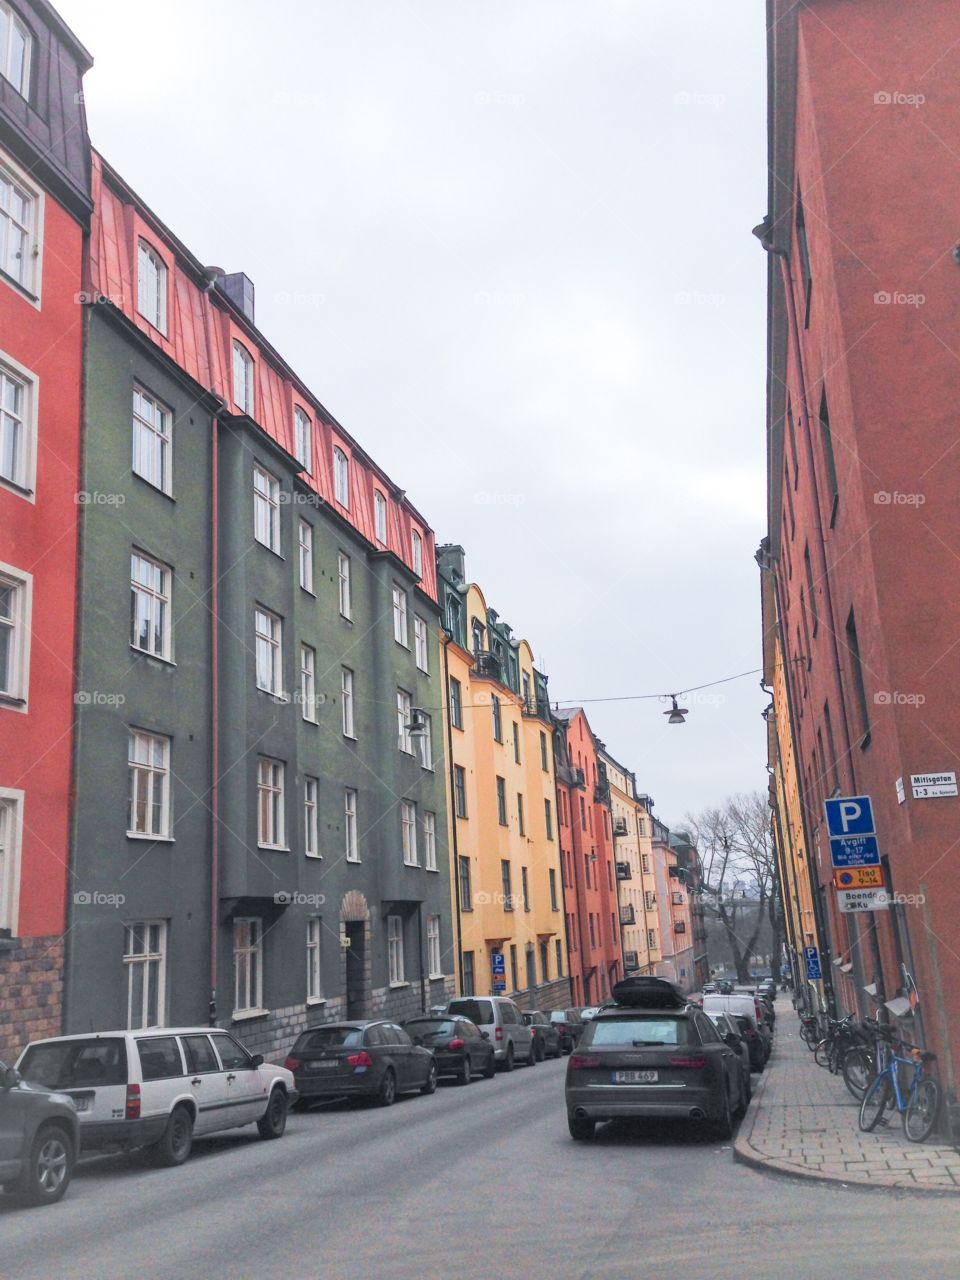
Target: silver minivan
(500,1022)
(158,1088)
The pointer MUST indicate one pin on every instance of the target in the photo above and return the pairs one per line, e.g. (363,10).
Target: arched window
(341,478)
(16,46)
(303,439)
(151,286)
(242,378)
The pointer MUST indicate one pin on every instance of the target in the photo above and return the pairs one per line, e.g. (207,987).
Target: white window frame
(346,703)
(416,551)
(152,445)
(345,586)
(155,599)
(268,650)
(380,517)
(271,789)
(243,369)
(248,965)
(303,439)
(400,615)
(395,957)
(305,551)
(15,696)
(266,508)
(420,646)
(408,833)
(145,774)
(308,682)
(154,964)
(152,307)
(404,712)
(29,282)
(434,959)
(23,423)
(11,844)
(426,742)
(314,955)
(15,24)
(311,810)
(341,477)
(430,841)
(351,847)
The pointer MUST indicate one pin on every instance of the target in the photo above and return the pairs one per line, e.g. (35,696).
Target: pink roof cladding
(202,327)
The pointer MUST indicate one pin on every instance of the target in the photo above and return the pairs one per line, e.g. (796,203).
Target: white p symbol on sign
(850,812)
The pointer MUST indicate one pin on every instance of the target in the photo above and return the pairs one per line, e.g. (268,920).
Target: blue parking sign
(811,957)
(498,963)
(849,816)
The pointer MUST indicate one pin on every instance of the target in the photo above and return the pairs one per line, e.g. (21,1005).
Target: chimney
(452,561)
(239,289)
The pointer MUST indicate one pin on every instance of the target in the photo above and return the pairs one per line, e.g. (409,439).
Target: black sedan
(570,1025)
(460,1049)
(546,1034)
(374,1060)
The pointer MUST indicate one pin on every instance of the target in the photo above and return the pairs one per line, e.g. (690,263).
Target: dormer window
(303,439)
(341,478)
(380,516)
(242,378)
(416,547)
(151,287)
(15,48)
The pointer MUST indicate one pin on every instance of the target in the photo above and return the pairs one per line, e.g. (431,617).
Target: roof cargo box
(651,993)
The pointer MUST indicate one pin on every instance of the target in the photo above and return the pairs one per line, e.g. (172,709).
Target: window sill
(157,657)
(13,703)
(314,857)
(308,591)
(346,618)
(247,1015)
(22,290)
(413,866)
(434,870)
(277,697)
(164,493)
(351,737)
(354,862)
(435,977)
(140,835)
(267,547)
(275,848)
(314,1002)
(6,482)
(396,986)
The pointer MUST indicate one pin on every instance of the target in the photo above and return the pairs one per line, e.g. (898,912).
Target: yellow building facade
(636,880)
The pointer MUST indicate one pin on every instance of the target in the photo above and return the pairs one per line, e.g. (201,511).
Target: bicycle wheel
(874,1103)
(922,1109)
(807,1034)
(857,1067)
(821,1053)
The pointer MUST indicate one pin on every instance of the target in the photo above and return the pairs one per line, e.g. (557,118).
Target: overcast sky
(507,243)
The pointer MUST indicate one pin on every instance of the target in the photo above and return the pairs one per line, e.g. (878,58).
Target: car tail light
(361,1059)
(692,1061)
(583,1062)
(750,1033)
(292,1064)
(455,1044)
(499,1033)
(133,1102)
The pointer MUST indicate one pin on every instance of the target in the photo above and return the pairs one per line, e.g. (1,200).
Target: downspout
(423,980)
(445,642)
(563,880)
(214,713)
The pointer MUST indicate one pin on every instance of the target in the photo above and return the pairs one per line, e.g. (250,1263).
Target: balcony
(628,915)
(623,871)
(486,666)
(680,927)
(536,708)
(579,778)
(620,826)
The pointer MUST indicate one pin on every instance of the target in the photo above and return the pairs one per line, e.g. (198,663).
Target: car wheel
(747,1089)
(174,1147)
(508,1060)
(430,1084)
(534,1055)
(47,1174)
(541,1050)
(581,1128)
(466,1075)
(387,1093)
(490,1070)
(723,1127)
(568,1049)
(274,1120)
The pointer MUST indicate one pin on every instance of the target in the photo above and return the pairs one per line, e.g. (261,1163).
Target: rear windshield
(558,1015)
(328,1038)
(478,1011)
(640,1030)
(430,1027)
(75,1064)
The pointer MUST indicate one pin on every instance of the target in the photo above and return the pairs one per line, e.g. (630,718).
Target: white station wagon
(158,1088)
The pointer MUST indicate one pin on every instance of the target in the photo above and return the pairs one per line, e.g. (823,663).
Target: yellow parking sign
(859,878)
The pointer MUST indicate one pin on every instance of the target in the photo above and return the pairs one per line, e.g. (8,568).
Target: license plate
(635,1077)
(83,1104)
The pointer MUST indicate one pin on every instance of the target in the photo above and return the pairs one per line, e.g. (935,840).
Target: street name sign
(863,900)
(926,786)
(856,851)
(849,816)
(859,878)
(811,958)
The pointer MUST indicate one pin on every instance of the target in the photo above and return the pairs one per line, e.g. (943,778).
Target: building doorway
(356,931)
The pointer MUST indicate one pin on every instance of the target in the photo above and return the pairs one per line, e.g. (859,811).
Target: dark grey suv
(39,1139)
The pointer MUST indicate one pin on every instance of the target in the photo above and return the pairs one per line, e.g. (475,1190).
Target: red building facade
(45,211)
(864,524)
(587,860)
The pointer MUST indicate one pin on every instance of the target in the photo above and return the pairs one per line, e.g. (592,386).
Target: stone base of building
(31,992)
(550,995)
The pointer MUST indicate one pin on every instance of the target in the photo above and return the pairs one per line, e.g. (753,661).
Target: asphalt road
(471,1183)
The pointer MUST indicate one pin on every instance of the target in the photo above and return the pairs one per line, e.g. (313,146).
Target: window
(460,790)
(515,982)
(350,825)
(586,870)
(548,818)
(341,478)
(343,574)
(270,807)
(152,447)
(148,758)
(408,833)
(416,551)
(150,605)
(853,648)
(308,682)
(430,841)
(468,983)
(456,704)
(466,891)
(399,615)
(454,615)
(305,544)
(404,740)
(426,741)
(314,979)
(395,949)
(501,802)
(583,815)
(525,689)
(420,642)
(545,961)
(242,378)
(525,886)
(17,429)
(434,962)
(531,961)
(151,286)
(311,835)
(649,900)
(16,46)
(268,633)
(645,862)
(505,883)
(811,591)
(554,906)
(145,960)
(19,219)
(559,947)
(652,939)
(15,595)
(826,437)
(544,761)
(346,702)
(593,932)
(303,439)
(520,816)
(497,718)
(11,830)
(266,508)
(247,965)
(477,635)
(516,742)
(380,516)
(804,251)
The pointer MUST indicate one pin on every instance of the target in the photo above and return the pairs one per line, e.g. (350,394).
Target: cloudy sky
(507,243)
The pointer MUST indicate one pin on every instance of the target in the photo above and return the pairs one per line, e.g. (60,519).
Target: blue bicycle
(918,1102)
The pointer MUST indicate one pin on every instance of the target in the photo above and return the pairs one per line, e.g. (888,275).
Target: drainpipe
(563,880)
(423,980)
(447,637)
(214,713)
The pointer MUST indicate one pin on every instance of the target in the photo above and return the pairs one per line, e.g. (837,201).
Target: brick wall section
(31,993)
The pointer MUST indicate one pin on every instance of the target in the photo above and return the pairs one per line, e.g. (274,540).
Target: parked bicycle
(809,1031)
(917,1097)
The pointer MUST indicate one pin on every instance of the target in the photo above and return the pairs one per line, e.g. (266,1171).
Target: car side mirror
(10,1078)
(257,1060)
(484,1035)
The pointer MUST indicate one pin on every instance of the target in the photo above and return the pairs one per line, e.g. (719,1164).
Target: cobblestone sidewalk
(802,1121)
